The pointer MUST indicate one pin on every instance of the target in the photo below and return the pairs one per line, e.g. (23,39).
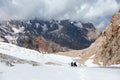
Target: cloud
(102,8)
(84,10)
(101,25)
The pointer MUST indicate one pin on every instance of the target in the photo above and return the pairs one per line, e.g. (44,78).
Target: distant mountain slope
(48,36)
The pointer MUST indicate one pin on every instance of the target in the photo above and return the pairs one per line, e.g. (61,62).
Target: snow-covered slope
(32,55)
(60,70)
(50,72)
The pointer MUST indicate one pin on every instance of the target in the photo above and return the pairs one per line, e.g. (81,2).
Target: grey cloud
(84,10)
(58,9)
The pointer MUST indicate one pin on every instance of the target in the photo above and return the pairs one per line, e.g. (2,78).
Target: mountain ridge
(105,51)
(48,36)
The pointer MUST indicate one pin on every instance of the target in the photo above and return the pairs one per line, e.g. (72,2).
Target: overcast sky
(97,11)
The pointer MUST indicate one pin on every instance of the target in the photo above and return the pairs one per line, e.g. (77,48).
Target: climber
(73,64)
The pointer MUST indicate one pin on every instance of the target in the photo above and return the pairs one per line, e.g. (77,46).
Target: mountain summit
(48,36)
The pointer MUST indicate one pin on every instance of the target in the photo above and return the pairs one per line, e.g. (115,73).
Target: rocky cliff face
(48,36)
(106,49)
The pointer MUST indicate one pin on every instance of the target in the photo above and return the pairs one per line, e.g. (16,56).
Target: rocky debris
(11,61)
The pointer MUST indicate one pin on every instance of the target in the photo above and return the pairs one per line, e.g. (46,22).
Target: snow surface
(79,25)
(44,27)
(37,24)
(27,72)
(32,55)
(117,65)
(59,28)
(18,30)
(50,72)
(89,63)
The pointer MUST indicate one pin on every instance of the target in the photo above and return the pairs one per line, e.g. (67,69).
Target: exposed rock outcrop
(106,49)
(11,61)
(48,36)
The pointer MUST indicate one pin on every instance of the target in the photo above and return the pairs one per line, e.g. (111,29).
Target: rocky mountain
(48,36)
(109,50)
(105,51)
